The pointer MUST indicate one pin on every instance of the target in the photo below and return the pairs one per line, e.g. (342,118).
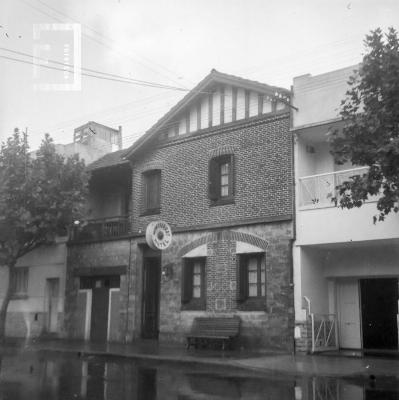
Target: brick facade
(260,215)
(262,171)
(257,219)
(270,327)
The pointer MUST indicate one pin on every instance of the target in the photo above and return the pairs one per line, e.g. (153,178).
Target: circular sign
(158,235)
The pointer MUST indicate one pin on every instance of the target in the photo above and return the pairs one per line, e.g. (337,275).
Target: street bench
(205,329)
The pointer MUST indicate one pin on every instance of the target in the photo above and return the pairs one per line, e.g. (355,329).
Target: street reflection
(53,376)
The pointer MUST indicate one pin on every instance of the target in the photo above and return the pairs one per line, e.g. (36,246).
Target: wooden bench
(224,329)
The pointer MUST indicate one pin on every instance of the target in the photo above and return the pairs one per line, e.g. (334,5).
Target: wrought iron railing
(319,190)
(324,332)
(99,229)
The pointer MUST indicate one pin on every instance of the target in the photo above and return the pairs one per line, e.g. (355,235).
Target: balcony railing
(318,190)
(99,229)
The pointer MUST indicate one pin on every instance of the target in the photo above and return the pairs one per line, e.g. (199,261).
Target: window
(20,282)
(193,289)
(221,179)
(152,192)
(252,281)
(91,282)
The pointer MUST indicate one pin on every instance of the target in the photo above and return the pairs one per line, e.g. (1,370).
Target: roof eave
(213,76)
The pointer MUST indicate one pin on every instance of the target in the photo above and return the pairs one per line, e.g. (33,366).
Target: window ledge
(252,304)
(153,211)
(222,202)
(194,305)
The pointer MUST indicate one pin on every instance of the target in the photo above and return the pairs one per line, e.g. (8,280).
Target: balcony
(320,222)
(317,191)
(101,229)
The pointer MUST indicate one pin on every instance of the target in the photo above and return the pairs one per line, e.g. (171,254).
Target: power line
(103,36)
(239,108)
(107,76)
(93,70)
(87,27)
(109,112)
(122,80)
(105,112)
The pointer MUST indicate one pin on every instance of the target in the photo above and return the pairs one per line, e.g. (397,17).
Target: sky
(168,43)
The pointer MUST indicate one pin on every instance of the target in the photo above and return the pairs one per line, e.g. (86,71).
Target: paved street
(270,363)
(74,370)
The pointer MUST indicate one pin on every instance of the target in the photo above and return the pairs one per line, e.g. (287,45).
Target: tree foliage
(40,197)
(370,136)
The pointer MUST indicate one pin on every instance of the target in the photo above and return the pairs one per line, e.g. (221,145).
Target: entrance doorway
(53,289)
(379,299)
(150,305)
(100,304)
(349,315)
(99,312)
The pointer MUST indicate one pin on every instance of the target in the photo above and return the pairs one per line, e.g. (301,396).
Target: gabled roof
(109,160)
(201,88)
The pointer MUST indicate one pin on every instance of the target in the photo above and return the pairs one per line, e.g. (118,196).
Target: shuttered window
(193,284)
(252,281)
(221,179)
(152,191)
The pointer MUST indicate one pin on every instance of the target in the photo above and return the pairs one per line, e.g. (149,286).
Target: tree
(40,197)
(370,136)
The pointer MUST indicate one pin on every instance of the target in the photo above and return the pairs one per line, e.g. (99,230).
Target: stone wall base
(256,330)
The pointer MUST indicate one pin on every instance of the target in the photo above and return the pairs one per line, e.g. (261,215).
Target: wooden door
(349,315)
(150,305)
(99,312)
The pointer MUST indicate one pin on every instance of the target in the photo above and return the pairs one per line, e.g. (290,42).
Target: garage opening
(379,306)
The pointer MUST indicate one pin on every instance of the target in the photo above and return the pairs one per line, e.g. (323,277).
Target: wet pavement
(52,375)
(75,370)
(272,362)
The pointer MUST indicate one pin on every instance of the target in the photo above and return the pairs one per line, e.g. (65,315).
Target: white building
(346,268)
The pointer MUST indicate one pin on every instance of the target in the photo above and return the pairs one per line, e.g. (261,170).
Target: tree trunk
(6,301)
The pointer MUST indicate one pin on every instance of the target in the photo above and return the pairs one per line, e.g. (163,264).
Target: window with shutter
(152,192)
(213,179)
(193,284)
(242,284)
(252,281)
(221,179)
(187,288)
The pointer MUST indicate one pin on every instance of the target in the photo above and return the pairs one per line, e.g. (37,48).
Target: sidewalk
(272,363)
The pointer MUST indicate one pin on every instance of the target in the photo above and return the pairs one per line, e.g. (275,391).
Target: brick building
(218,169)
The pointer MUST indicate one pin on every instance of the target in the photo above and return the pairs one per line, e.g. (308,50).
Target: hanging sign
(158,235)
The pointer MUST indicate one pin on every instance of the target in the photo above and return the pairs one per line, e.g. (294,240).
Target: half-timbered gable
(219,100)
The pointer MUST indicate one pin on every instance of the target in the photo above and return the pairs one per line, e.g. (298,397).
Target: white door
(349,314)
